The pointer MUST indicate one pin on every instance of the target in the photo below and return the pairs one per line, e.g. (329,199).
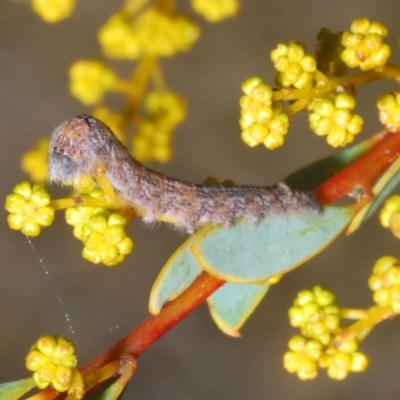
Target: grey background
(195,360)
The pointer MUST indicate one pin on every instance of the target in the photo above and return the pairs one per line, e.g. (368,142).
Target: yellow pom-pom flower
(53,10)
(165,106)
(34,161)
(152,32)
(118,38)
(53,361)
(78,217)
(85,184)
(105,240)
(294,67)
(389,111)
(331,116)
(215,10)
(385,282)
(261,119)
(152,140)
(344,359)
(363,45)
(165,35)
(302,357)
(390,215)
(90,79)
(29,208)
(315,313)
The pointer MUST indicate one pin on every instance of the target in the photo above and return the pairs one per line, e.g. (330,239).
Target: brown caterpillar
(82,144)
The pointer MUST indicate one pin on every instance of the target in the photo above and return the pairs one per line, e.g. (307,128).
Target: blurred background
(195,360)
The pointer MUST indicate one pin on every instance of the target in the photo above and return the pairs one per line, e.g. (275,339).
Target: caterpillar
(82,144)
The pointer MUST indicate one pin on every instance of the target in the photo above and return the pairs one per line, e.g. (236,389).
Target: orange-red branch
(362,173)
(154,327)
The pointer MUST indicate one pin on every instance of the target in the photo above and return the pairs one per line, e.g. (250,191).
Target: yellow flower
(261,119)
(331,116)
(216,10)
(118,39)
(363,45)
(105,240)
(152,32)
(29,208)
(90,79)
(53,361)
(303,356)
(294,67)
(152,142)
(34,161)
(78,217)
(389,111)
(165,107)
(53,10)
(164,35)
(390,215)
(315,313)
(345,359)
(385,282)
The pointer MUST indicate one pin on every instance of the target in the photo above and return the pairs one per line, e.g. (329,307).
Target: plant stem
(361,173)
(156,326)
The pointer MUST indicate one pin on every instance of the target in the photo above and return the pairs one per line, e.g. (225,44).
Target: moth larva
(82,144)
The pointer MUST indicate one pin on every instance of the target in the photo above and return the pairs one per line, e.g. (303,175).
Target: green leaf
(112,392)
(233,303)
(177,275)
(313,175)
(100,390)
(249,253)
(16,389)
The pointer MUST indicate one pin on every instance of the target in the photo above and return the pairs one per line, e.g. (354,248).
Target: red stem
(362,172)
(154,327)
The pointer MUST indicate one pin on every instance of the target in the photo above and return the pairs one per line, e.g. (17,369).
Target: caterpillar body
(82,144)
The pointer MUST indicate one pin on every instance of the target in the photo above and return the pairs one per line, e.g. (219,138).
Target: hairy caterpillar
(82,144)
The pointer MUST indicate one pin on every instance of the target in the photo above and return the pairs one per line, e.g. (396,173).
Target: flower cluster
(34,161)
(152,140)
(151,32)
(390,215)
(385,282)
(53,361)
(342,359)
(363,45)
(215,11)
(105,239)
(331,116)
(103,233)
(29,208)
(315,313)
(261,119)
(90,79)
(295,68)
(53,10)
(389,111)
